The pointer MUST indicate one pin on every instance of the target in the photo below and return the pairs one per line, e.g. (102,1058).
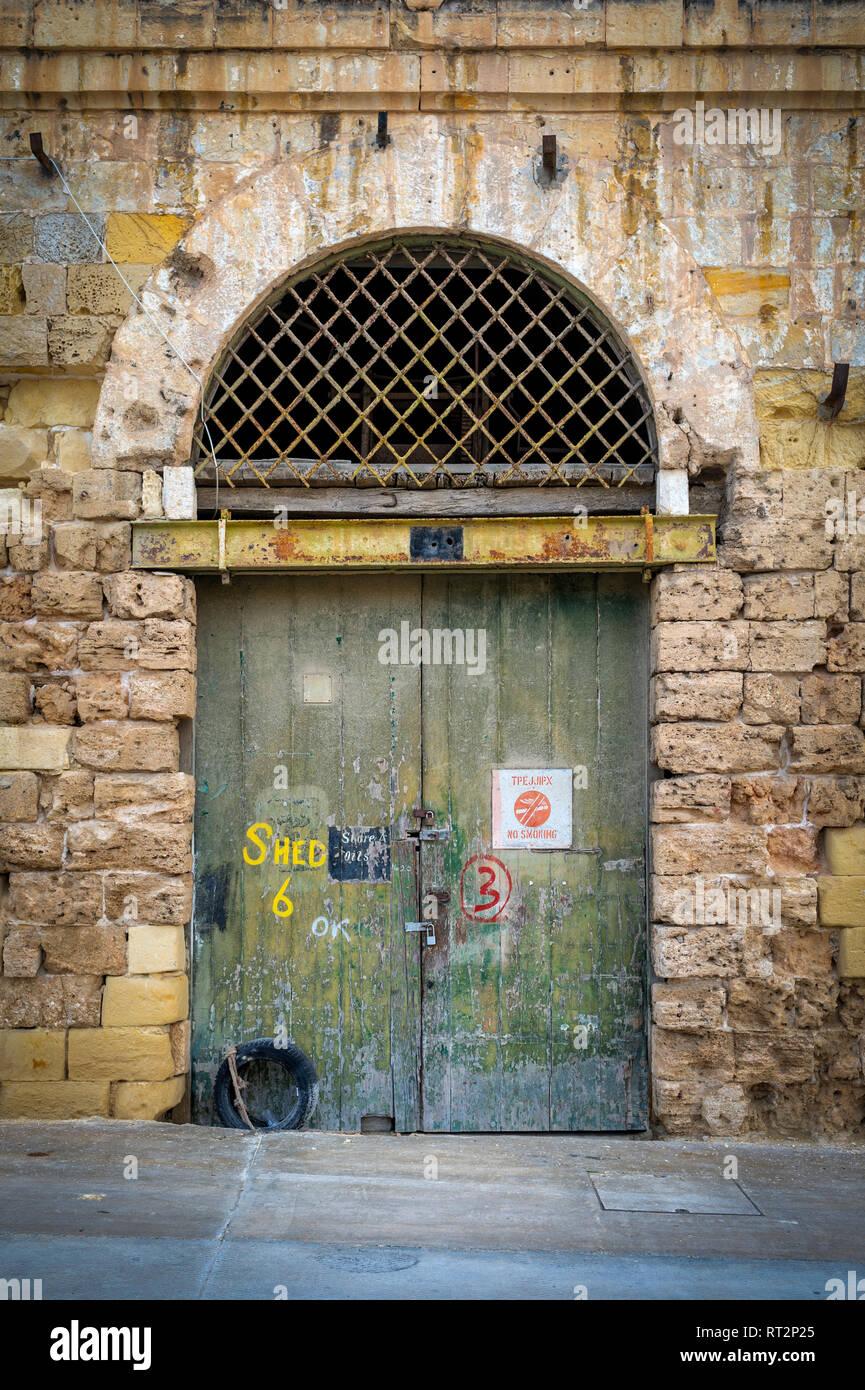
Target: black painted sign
(358,854)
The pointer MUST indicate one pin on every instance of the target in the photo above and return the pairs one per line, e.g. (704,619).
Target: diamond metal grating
(427,363)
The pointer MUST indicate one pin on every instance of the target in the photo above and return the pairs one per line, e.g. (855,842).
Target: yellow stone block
(43,404)
(842,900)
(144,999)
(30,747)
(156,949)
(143,237)
(53,1100)
(792,444)
(795,394)
(32,1054)
(120,1054)
(851,956)
(845,850)
(147,1100)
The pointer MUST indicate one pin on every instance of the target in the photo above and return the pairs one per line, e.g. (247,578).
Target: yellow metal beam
(512,542)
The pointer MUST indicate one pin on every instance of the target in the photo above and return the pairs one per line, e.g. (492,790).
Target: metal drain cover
(359,1260)
(645,1192)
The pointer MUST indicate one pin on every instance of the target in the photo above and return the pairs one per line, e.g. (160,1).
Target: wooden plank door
(533,1007)
(302,730)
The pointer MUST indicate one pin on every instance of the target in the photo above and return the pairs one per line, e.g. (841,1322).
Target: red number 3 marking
(492,895)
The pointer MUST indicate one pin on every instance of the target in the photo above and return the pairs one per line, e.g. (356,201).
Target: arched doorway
(420,834)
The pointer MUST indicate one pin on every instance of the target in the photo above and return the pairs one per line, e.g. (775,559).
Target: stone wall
(174,125)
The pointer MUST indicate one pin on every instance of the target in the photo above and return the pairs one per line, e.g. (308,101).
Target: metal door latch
(428,927)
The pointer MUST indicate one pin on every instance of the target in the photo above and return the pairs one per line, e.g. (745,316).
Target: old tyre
(295,1063)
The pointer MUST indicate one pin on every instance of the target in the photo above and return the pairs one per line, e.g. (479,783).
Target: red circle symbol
(485,888)
(532,808)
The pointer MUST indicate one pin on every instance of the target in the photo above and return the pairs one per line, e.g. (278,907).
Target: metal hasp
(428,927)
(834,402)
(371,543)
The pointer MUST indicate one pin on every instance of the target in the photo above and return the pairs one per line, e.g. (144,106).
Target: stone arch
(286,216)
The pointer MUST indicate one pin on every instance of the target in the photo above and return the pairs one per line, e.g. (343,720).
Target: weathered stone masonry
(215,148)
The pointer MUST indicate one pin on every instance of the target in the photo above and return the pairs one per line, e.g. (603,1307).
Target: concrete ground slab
(225,1214)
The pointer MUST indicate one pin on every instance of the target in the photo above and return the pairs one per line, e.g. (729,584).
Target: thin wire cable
(179,355)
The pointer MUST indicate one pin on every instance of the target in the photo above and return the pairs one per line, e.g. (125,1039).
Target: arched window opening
(427,362)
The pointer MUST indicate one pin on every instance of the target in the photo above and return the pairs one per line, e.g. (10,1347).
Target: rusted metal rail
(369,543)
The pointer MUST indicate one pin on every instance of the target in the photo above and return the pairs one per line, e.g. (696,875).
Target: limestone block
(152,644)
(851,953)
(779,597)
(97,289)
(119,1054)
(142,238)
(53,1100)
(19,796)
(679,1056)
(842,900)
(22,952)
(57,899)
(784,646)
(102,695)
(74,545)
(144,999)
(682,748)
(179,500)
(43,403)
(831,596)
(151,493)
(38,846)
(773,1057)
(108,845)
(147,1100)
(21,450)
(67,797)
(127,746)
(50,1001)
(69,594)
(27,647)
(15,597)
(770,699)
(23,341)
(80,342)
(677,800)
(63,238)
(104,493)
(700,646)
(831,699)
(148,897)
(702,849)
(162,695)
(688,1007)
(846,652)
(72,450)
(686,695)
(793,849)
(113,546)
(827,748)
(845,850)
(154,950)
(90,950)
(137,595)
(44,288)
(697,594)
(35,748)
(136,797)
(180,1034)
(14,698)
(835,800)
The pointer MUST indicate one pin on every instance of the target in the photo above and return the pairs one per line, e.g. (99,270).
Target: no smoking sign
(532,808)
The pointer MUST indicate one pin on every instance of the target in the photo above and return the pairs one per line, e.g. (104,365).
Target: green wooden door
(316,740)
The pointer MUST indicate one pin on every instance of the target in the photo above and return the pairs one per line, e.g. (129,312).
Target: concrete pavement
(135,1210)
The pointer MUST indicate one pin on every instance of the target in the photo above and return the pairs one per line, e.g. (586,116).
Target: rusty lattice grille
(427,363)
